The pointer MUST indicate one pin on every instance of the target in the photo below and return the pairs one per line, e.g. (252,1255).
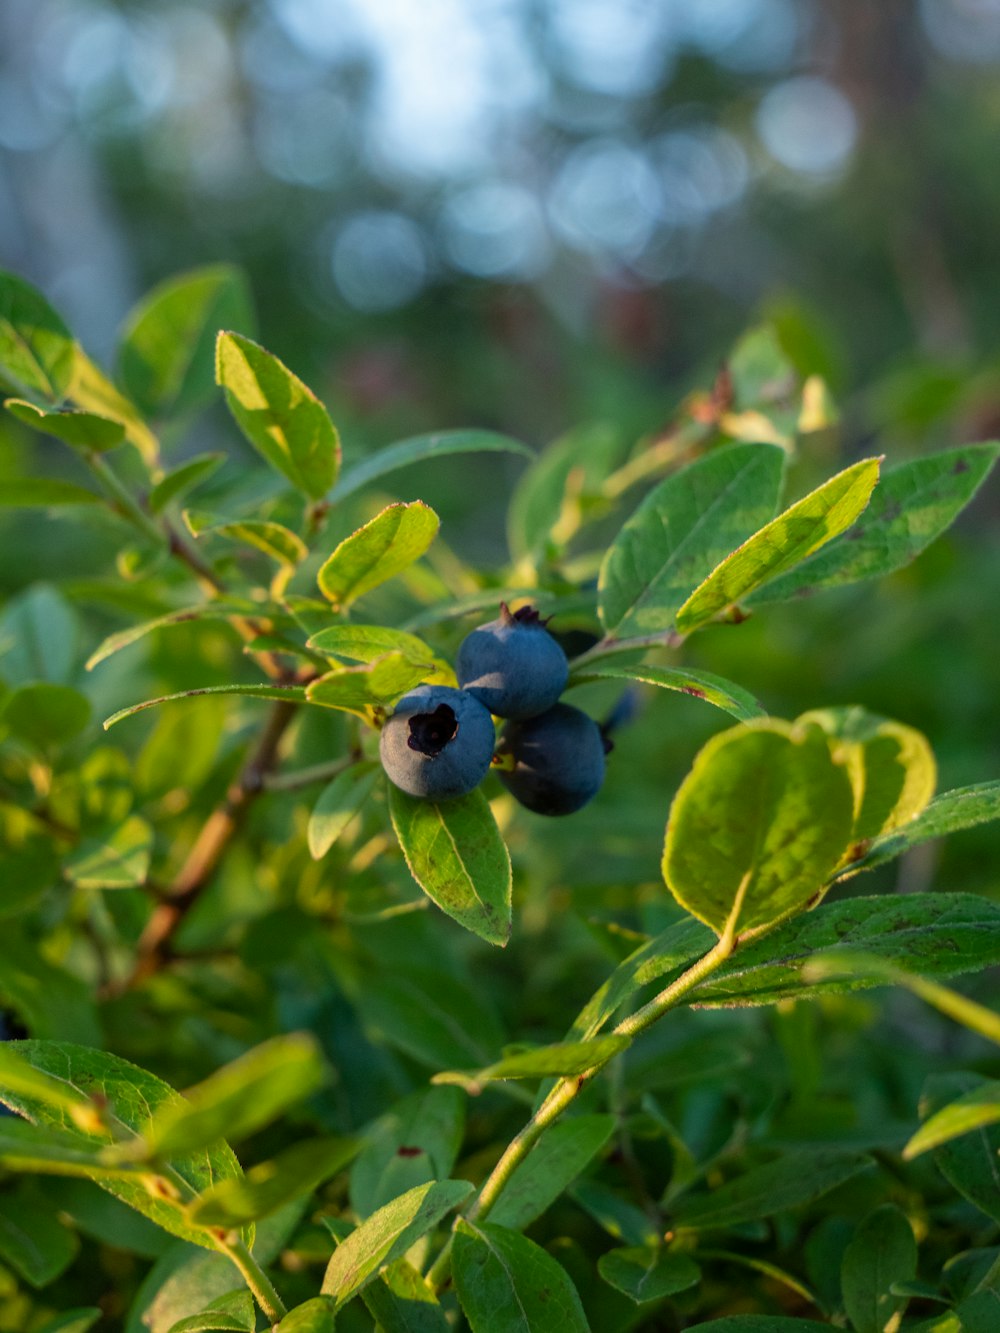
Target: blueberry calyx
(524,615)
(431,732)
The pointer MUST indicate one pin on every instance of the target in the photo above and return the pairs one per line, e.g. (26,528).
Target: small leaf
(648,1274)
(881,1252)
(43,493)
(119,860)
(421,447)
(80,430)
(561,1155)
(278,414)
(914,503)
(238,1099)
(165,355)
(797,1178)
(32,1239)
(891,767)
(338,804)
(388,1234)
(233,1312)
(979,1107)
(565,1059)
(282,693)
(274,539)
(180,480)
(758,825)
(375,685)
(724,694)
(962,808)
(785,542)
(365,643)
(456,854)
(51,999)
(315,1316)
(36,347)
(682,530)
(936,934)
(45,714)
(404,1302)
(579,461)
(382,548)
(91,389)
(622,1220)
(39,637)
(295,1172)
(508,1284)
(424,1128)
(969,1163)
(214,610)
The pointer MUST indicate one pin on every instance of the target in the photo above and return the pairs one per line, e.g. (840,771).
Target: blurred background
(526,213)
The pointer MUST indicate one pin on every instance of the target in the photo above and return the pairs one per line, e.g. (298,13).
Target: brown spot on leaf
(960,466)
(406,1150)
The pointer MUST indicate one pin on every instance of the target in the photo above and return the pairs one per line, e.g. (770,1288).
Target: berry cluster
(440,741)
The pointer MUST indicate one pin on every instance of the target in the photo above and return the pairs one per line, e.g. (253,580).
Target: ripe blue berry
(513,665)
(558,760)
(438,742)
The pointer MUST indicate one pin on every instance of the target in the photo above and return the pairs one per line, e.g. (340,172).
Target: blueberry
(558,760)
(438,742)
(513,665)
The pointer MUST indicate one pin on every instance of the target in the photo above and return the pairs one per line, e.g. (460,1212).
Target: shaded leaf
(423,1128)
(43,493)
(385,546)
(214,610)
(338,804)
(581,459)
(648,1274)
(39,637)
(758,824)
(971,1164)
(285,693)
(45,714)
(315,1316)
(388,1234)
(421,447)
(913,504)
(759,1323)
(36,347)
(233,1312)
(297,1171)
(724,694)
(682,530)
(404,1302)
(785,542)
(280,416)
(976,1108)
(79,429)
(165,352)
(456,854)
(32,1239)
(416,1012)
(508,1284)
(557,1159)
(797,1178)
(564,1058)
(180,480)
(881,1253)
(118,860)
(45,1150)
(73,1321)
(52,1001)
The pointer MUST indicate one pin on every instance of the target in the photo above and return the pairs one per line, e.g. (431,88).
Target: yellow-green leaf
(380,550)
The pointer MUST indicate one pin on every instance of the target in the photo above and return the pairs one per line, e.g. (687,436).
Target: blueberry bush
(520,969)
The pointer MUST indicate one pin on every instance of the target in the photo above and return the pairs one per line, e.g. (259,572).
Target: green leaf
(381,549)
(562,1154)
(585,456)
(238,1099)
(50,999)
(338,804)
(180,480)
(388,1234)
(91,389)
(181,750)
(797,1178)
(19,1076)
(979,1107)
(39,637)
(724,694)
(675,947)
(648,1274)
(562,1059)
(32,1239)
(36,347)
(424,1128)
(44,1150)
(914,503)
(80,430)
(936,934)
(621,1219)
(165,354)
(366,643)
(73,1321)
(404,1302)
(508,1284)
(374,685)
(759,1323)
(278,414)
(785,542)
(422,447)
(891,766)
(969,1163)
(681,531)
(233,1312)
(315,1316)
(214,610)
(415,1011)
(282,693)
(43,493)
(273,539)
(118,860)
(457,855)
(962,808)
(45,714)
(295,1172)
(758,825)
(132,1096)
(881,1252)
(27,873)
